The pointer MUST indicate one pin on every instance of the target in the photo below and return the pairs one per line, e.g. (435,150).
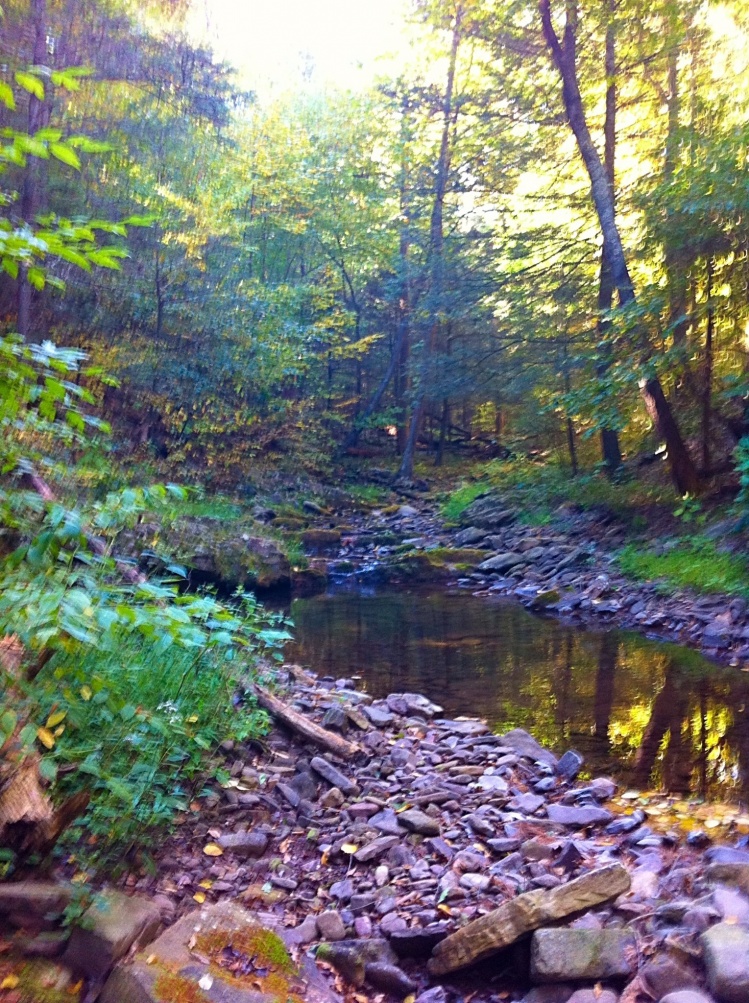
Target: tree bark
(436,249)
(31,192)
(563,54)
(610,450)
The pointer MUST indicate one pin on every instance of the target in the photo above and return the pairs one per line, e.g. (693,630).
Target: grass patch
(694,563)
(367,494)
(459,500)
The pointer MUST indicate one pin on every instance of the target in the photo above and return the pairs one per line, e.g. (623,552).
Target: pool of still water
(649,713)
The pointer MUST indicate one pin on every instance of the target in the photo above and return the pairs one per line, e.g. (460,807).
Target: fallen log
(304,727)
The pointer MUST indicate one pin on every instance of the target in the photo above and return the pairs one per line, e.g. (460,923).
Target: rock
(174,965)
(48,944)
(664,974)
(570,764)
(378,717)
(376,849)
(731,905)
(332,798)
(34,898)
(418,821)
(525,745)
(350,957)
(526,803)
(594,996)
(389,978)
(627,823)
(687,996)
(386,822)
(489,934)
(245,844)
(725,950)
(502,562)
(418,941)
(469,536)
(334,776)
(342,890)
(729,874)
(558,992)
(111,926)
(726,855)
(330,925)
(560,955)
(503,845)
(578,817)
(305,933)
(475,882)
(492,782)
(335,717)
(534,849)
(570,856)
(438,994)
(407,512)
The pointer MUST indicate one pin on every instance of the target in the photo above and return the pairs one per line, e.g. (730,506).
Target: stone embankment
(439,862)
(566,568)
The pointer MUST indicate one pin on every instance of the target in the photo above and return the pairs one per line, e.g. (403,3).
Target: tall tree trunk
(31,192)
(436,249)
(563,54)
(676,273)
(707,375)
(610,450)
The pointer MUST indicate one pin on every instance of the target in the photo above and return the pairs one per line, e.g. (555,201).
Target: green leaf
(6,96)
(65,154)
(30,83)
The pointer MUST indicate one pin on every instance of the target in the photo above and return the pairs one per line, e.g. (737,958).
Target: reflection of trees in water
(660,714)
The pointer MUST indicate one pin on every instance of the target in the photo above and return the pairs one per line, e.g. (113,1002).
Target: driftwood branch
(300,724)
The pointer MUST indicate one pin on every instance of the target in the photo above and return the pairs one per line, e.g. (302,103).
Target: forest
(239,320)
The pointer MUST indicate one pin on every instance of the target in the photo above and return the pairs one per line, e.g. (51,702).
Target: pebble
(330,925)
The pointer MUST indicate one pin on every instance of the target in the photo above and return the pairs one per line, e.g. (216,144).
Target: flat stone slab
(176,963)
(111,926)
(34,898)
(568,955)
(503,926)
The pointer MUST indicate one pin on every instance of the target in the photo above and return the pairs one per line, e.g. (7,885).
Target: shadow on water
(652,714)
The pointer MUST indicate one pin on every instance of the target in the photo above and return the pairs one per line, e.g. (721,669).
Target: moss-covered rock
(217,953)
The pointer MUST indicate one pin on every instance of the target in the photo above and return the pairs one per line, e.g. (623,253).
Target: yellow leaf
(46,737)
(192,719)
(205,884)
(199,897)
(79,878)
(9,982)
(59,731)
(86,693)
(212,850)
(150,960)
(57,718)
(75,988)
(349,848)
(444,909)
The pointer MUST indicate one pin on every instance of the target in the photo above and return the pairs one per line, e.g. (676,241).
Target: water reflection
(653,714)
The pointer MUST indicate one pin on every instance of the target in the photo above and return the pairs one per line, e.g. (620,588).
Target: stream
(650,714)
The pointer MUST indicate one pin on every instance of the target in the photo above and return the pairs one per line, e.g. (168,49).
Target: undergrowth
(695,562)
(459,500)
(135,725)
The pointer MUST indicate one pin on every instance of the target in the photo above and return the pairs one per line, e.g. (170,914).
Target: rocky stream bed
(567,569)
(437,861)
(430,860)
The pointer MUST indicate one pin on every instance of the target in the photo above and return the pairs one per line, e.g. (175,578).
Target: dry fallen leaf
(199,897)
(212,850)
(9,982)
